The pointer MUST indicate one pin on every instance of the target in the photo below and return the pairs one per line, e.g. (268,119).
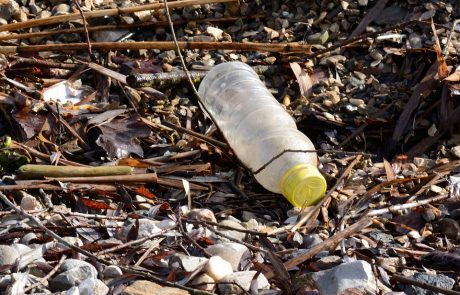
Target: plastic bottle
(258,128)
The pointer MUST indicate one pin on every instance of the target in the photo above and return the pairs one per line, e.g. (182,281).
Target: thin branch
(423,285)
(103,13)
(44,280)
(161,45)
(85,25)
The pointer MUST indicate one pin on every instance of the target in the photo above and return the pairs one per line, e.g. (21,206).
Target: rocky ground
(377,94)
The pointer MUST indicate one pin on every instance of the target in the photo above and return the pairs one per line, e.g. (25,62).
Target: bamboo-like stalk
(162,45)
(102,13)
(30,171)
(157,24)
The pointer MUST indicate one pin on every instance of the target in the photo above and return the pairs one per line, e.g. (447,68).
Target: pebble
(143,287)
(108,36)
(8,8)
(362,2)
(436,189)
(391,264)
(112,272)
(147,228)
(356,102)
(242,279)
(217,268)
(216,33)
(447,227)
(413,234)
(231,233)
(437,280)
(93,286)
(379,236)
(61,9)
(72,291)
(8,255)
(73,272)
(327,262)
(390,15)
(187,263)
(71,240)
(456,151)
(202,214)
(311,240)
(318,38)
(204,282)
(355,274)
(234,253)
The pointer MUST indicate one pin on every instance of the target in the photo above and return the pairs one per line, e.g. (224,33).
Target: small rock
(147,228)
(356,102)
(437,280)
(202,215)
(92,286)
(413,234)
(21,248)
(318,38)
(8,8)
(8,255)
(379,236)
(271,34)
(327,262)
(391,264)
(333,60)
(234,253)
(447,227)
(112,271)
(108,36)
(71,240)
(144,16)
(29,202)
(311,240)
(242,279)
(356,274)
(204,282)
(216,33)
(232,233)
(217,268)
(73,272)
(60,9)
(72,291)
(187,263)
(362,2)
(390,15)
(143,287)
(456,151)
(436,189)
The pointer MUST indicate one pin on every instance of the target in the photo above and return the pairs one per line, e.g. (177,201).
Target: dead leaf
(389,170)
(304,80)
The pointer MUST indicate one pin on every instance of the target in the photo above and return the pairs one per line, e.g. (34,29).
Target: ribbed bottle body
(255,125)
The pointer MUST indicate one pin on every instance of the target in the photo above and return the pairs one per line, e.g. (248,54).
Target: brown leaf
(304,80)
(143,191)
(95,204)
(454,77)
(389,170)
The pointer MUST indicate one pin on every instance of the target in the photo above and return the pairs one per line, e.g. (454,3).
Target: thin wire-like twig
(85,25)
(43,280)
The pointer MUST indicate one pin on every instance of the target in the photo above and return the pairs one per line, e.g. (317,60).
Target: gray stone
(327,262)
(437,280)
(92,286)
(234,253)
(8,8)
(318,38)
(381,237)
(202,214)
(147,228)
(22,249)
(230,284)
(311,240)
(71,240)
(356,274)
(61,9)
(187,263)
(232,233)
(112,271)
(72,291)
(73,272)
(204,282)
(390,15)
(8,255)
(108,36)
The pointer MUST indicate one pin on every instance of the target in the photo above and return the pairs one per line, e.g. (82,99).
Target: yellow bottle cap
(302,185)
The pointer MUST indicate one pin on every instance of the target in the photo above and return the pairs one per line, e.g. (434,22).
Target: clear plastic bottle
(258,128)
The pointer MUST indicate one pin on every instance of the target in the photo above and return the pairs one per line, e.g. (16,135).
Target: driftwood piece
(39,171)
